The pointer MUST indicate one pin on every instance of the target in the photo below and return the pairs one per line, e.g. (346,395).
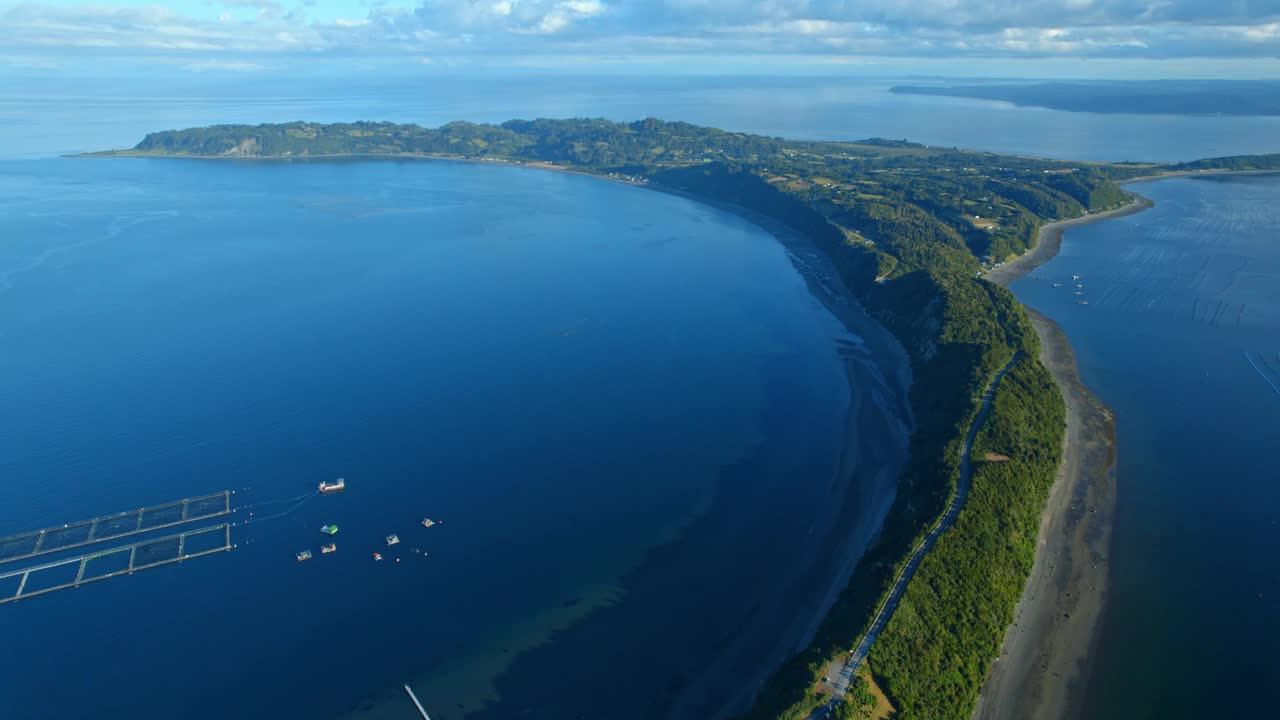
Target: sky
(1090,38)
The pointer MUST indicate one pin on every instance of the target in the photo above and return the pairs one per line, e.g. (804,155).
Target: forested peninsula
(911,229)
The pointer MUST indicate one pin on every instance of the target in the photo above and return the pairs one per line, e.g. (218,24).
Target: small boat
(1082,302)
(336,486)
(326,549)
(329,529)
(428,522)
(1057,284)
(393,539)
(377,556)
(304,555)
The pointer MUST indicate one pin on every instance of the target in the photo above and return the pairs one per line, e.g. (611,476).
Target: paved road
(840,683)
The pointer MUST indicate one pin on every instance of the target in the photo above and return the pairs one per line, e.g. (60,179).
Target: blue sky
(1150,38)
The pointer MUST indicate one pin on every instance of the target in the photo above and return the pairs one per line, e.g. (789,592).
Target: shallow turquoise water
(625,406)
(1181,337)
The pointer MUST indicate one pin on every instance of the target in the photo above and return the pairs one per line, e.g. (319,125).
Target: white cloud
(1262,33)
(444,29)
(223,65)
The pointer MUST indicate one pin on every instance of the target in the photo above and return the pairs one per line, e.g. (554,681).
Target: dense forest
(910,229)
(1235,162)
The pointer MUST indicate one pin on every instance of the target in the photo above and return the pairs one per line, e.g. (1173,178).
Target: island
(917,235)
(1138,97)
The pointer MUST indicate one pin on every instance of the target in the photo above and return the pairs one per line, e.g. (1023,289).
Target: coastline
(827,288)
(1044,663)
(1045,660)
(824,283)
(1049,241)
(1193,173)
(851,524)
(330,157)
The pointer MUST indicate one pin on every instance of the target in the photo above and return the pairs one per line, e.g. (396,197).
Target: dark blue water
(628,408)
(1181,337)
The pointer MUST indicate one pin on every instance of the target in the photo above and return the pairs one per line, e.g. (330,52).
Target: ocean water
(46,115)
(626,407)
(1181,338)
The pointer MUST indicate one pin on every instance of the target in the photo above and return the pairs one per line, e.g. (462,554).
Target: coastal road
(840,683)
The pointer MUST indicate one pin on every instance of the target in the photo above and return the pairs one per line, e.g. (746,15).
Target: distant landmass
(1156,97)
(911,230)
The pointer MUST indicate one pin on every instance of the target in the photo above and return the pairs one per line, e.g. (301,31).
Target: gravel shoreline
(1045,662)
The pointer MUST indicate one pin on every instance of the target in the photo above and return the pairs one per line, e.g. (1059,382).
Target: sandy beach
(1043,668)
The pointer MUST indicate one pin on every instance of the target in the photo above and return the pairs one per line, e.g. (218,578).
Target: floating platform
(125,560)
(113,527)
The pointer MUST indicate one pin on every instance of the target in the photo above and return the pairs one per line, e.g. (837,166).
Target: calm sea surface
(1181,337)
(48,115)
(625,406)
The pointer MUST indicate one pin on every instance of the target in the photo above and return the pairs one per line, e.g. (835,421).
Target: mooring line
(305,500)
(1260,372)
(303,496)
